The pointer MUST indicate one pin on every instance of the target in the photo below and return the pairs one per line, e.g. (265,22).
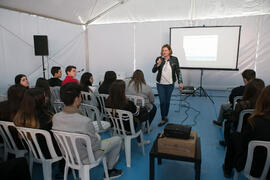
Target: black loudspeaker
(41,45)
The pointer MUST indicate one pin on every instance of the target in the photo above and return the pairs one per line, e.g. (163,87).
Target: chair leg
(236,174)
(128,151)
(5,154)
(30,163)
(148,126)
(74,174)
(142,141)
(47,170)
(66,172)
(105,169)
(84,174)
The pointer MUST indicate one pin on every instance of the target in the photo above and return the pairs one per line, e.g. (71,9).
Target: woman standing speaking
(168,72)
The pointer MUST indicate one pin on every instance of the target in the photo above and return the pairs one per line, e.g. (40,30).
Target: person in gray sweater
(71,120)
(137,86)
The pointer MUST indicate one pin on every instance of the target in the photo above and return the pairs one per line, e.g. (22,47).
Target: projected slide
(213,47)
(200,48)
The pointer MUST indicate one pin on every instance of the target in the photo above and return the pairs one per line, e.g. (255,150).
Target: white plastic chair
(9,144)
(101,100)
(58,106)
(235,99)
(241,118)
(93,113)
(68,145)
(55,94)
(118,117)
(252,145)
(30,137)
(139,101)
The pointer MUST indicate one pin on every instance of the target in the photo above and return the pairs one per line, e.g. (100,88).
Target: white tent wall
(136,45)
(66,46)
(160,10)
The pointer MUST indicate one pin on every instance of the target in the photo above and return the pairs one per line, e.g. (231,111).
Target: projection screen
(207,47)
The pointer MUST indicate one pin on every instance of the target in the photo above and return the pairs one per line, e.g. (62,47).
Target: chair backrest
(86,96)
(241,118)
(90,111)
(7,135)
(58,106)
(30,137)
(117,118)
(55,94)
(138,100)
(101,101)
(3,98)
(252,145)
(235,99)
(67,142)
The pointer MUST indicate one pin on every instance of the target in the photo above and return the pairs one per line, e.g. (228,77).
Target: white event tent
(123,35)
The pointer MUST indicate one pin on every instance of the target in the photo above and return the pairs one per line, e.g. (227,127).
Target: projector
(188,90)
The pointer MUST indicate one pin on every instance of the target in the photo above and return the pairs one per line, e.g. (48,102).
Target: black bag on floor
(177,131)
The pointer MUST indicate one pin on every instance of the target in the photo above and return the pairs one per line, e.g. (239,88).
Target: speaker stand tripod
(43,67)
(202,90)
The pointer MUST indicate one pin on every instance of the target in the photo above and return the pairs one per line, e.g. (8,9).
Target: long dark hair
(15,95)
(85,82)
(33,102)
(18,80)
(43,83)
(253,90)
(138,79)
(117,97)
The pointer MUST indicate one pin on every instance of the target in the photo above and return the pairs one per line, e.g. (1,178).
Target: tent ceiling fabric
(73,11)
(83,11)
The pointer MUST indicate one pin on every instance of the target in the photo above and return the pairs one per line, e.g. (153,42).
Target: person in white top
(168,72)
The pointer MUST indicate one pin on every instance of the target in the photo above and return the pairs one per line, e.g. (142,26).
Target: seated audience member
(117,100)
(137,86)
(15,169)
(71,74)
(257,129)
(247,76)
(33,113)
(71,120)
(57,74)
(86,83)
(21,80)
(9,108)
(109,78)
(251,93)
(44,84)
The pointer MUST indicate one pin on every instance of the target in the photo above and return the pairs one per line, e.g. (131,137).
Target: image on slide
(201,47)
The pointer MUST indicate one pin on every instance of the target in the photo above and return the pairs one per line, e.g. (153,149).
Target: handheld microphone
(80,70)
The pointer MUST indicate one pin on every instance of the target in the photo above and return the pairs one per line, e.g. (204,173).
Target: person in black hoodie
(257,129)
(109,78)
(57,74)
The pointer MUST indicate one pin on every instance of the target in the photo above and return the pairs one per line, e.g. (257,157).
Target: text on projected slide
(200,48)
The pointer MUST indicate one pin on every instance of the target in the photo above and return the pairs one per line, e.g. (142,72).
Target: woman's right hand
(159,61)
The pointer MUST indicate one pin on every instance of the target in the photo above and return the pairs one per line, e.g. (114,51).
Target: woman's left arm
(178,73)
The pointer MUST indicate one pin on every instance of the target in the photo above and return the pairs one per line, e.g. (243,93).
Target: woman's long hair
(262,105)
(253,90)
(15,95)
(109,78)
(138,79)
(32,103)
(117,97)
(44,84)
(85,81)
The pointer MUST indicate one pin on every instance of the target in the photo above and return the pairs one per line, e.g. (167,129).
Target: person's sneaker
(222,143)
(227,173)
(217,123)
(114,173)
(146,142)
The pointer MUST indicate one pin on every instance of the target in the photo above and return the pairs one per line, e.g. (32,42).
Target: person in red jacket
(71,74)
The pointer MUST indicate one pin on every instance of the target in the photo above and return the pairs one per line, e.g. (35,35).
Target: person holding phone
(169,72)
